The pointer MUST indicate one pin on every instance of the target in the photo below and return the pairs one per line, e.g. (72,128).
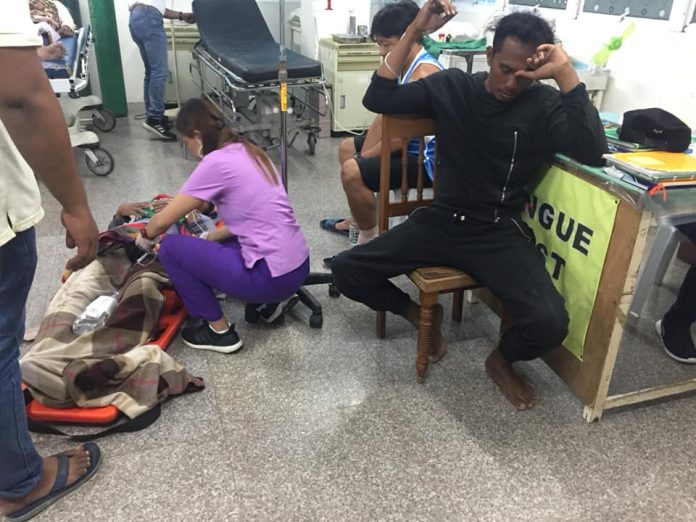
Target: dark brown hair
(201,115)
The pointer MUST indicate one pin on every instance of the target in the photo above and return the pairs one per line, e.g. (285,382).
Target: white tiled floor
(330,425)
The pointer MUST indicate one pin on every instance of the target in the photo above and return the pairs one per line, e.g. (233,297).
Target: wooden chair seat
(434,280)
(441,279)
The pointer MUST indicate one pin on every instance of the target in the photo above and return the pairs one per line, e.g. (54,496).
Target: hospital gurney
(237,63)
(69,76)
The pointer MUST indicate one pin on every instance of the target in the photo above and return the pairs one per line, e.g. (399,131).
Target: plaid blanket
(111,365)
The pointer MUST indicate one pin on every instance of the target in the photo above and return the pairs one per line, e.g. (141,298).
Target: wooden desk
(590,378)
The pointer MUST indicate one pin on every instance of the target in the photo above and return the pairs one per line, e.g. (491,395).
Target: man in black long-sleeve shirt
(495,131)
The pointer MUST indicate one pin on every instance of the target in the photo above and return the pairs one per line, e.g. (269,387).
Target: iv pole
(316,320)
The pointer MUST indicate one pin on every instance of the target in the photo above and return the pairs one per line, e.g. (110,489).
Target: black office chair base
(316,319)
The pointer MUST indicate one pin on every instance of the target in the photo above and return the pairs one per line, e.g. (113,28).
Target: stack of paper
(667,169)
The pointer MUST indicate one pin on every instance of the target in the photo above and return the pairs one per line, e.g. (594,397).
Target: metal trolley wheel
(312,143)
(99,161)
(103,119)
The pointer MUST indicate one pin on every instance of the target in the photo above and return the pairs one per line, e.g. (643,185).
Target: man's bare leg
(360,198)
(438,345)
(346,149)
(515,389)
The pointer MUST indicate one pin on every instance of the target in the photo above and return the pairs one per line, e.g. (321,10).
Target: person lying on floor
(359,156)
(135,211)
(259,256)
(496,130)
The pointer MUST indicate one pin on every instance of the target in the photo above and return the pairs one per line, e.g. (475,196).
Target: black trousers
(683,311)
(501,256)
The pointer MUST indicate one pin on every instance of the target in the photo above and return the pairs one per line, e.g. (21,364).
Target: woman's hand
(433,15)
(220,234)
(171,212)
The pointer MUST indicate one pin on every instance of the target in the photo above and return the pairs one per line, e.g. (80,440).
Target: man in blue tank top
(359,156)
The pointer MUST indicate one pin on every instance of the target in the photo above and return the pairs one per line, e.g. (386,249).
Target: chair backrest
(405,129)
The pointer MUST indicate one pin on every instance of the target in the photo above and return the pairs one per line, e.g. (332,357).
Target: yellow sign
(572,222)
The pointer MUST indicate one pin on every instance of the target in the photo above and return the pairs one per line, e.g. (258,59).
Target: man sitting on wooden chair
(495,130)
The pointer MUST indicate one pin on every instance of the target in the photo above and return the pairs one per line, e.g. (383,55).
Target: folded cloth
(435,48)
(110,365)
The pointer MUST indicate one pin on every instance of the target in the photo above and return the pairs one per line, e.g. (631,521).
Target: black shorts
(369,169)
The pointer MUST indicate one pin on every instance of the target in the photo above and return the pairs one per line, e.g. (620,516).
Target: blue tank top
(429,153)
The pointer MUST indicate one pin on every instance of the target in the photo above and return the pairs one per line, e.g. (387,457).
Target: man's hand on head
(433,15)
(550,61)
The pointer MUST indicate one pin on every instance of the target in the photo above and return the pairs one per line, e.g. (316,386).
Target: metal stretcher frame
(99,160)
(79,77)
(234,96)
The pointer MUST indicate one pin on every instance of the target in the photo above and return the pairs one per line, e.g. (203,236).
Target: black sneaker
(269,313)
(678,344)
(203,337)
(159,129)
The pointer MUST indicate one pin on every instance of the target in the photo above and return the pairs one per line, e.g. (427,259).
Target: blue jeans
(21,464)
(147,31)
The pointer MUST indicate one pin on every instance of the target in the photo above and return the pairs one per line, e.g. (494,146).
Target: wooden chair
(431,281)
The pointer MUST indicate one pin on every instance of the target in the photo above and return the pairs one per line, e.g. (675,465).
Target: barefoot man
(495,131)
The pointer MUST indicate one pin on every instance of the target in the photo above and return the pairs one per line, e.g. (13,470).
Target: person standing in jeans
(147,31)
(29,482)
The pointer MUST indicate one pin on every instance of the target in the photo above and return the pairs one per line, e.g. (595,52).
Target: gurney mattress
(62,68)
(258,63)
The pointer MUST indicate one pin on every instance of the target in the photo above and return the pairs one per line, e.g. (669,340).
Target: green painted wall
(108,54)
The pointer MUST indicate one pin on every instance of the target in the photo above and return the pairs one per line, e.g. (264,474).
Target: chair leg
(425,326)
(668,254)
(660,254)
(381,325)
(457,305)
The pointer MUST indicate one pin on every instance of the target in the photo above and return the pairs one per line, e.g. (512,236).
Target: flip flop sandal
(60,487)
(329,224)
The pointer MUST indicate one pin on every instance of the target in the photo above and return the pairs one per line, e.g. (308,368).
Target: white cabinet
(186,37)
(348,68)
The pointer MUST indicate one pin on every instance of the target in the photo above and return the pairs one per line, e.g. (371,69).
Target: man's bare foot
(345,224)
(515,388)
(438,345)
(79,462)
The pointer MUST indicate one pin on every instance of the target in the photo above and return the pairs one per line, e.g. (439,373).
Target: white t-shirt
(20,201)
(160,5)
